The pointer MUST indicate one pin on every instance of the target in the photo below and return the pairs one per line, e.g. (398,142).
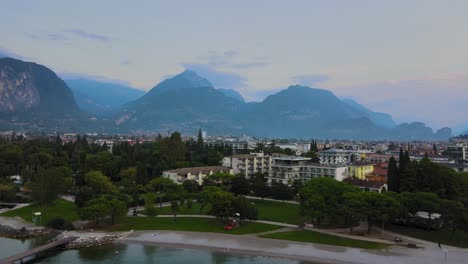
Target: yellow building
(360,170)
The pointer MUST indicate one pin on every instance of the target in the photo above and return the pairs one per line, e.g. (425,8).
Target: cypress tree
(200,138)
(402,161)
(393,177)
(434,149)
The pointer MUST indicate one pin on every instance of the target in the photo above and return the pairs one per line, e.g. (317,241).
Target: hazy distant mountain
(301,111)
(33,97)
(232,93)
(102,98)
(27,87)
(184,103)
(380,119)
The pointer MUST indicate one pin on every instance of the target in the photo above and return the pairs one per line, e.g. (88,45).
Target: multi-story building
(248,164)
(194,173)
(360,169)
(458,151)
(335,156)
(286,169)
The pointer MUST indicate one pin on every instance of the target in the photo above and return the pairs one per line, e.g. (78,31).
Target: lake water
(132,253)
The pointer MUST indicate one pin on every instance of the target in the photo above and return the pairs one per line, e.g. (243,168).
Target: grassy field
(319,238)
(459,239)
(61,208)
(278,212)
(188,224)
(184,210)
(267,210)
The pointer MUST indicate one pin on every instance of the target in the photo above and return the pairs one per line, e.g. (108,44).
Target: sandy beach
(252,245)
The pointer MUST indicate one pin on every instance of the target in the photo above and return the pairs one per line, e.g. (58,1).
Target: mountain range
(185,103)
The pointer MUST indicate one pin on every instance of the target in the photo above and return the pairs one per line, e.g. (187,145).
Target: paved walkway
(269,199)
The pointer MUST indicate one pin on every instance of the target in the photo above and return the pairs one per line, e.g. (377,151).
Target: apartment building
(286,169)
(248,164)
(194,173)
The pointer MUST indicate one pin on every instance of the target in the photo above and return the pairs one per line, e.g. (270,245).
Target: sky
(408,58)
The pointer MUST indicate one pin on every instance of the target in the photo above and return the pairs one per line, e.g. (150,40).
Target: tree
(83,195)
(175,208)
(117,208)
(94,211)
(393,176)
(150,198)
(49,183)
(313,207)
(240,185)
(101,184)
(454,215)
(261,189)
(353,207)
(281,191)
(434,149)
(245,208)
(200,142)
(221,204)
(379,207)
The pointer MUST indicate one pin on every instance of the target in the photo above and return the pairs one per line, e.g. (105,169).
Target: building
(335,156)
(248,164)
(368,186)
(286,169)
(194,173)
(458,151)
(360,169)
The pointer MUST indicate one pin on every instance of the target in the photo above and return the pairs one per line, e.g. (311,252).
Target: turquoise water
(133,253)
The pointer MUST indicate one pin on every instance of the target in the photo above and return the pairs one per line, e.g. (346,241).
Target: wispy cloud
(219,79)
(230,59)
(73,76)
(88,35)
(10,54)
(309,79)
(125,62)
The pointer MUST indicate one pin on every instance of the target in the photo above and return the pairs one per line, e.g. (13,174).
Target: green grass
(184,210)
(267,210)
(61,208)
(278,212)
(459,239)
(188,224)
(319,238)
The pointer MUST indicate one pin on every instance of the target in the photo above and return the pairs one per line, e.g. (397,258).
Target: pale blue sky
(408,58)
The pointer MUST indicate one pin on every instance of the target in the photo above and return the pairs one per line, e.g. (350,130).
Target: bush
(60,224)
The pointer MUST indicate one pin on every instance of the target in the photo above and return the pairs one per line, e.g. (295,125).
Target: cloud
(219,79)
(309,79)
(125,62)
(88,35)
(259,95)
(10,54)
(230,59)
(438,101)
(74,76)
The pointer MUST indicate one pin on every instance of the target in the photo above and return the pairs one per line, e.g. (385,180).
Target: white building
(458,151)
(194,173)
(286,169)
(248,164)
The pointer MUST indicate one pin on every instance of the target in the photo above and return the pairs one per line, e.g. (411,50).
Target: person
(440,245)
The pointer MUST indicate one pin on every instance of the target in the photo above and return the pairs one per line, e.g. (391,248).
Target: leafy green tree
(281,191)
(83,195)
(313,207)
(353,207)
(393,176)
(261,189)
(94,210)
(175,208)
(221,204)
(117,208)
(99,183)
(49,183)
(150,198)
(190,186)
(240,185)
(245,208)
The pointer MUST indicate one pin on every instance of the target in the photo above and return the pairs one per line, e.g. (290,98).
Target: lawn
(267,210)
(459,239)
(319,238)
(61,208)
(188,224)
(184,210)
(278,212)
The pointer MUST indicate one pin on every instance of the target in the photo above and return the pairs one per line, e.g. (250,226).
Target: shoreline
(300,251)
